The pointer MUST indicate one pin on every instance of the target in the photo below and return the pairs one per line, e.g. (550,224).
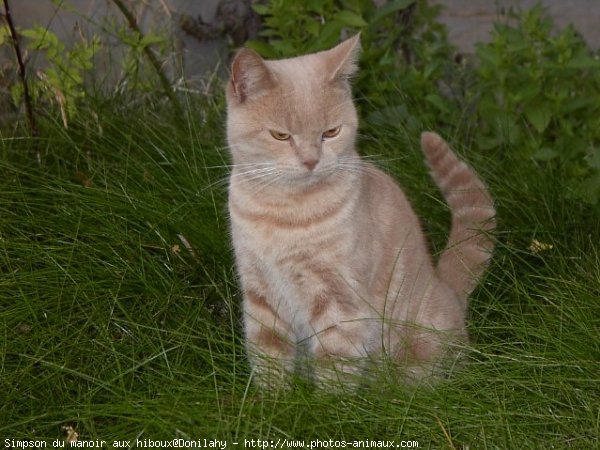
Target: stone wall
(471,21)
(88,17)
(468,22)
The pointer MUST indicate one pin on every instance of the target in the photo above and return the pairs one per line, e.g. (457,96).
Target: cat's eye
(279,135)
(332,132)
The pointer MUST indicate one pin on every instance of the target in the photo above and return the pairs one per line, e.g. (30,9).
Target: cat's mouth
(313,175)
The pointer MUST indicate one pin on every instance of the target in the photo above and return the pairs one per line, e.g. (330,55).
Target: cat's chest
(273,228)
(289,270)
(289,251)
(289,256)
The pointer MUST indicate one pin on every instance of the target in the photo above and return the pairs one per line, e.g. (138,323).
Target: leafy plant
(539,94)
(404,48)
(63,80)
(139,45)
(298,27)
(408,53)
(531,90)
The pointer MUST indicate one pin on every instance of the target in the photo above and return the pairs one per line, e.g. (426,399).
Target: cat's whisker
(248,172)
(219,183)
(369,156)
(361,160)
(225,166)
(361,170)
(259,185)
(240,165)
(257,178)
(354,162)
(254,174)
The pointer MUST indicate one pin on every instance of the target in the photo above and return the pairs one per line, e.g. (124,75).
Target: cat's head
(293,118)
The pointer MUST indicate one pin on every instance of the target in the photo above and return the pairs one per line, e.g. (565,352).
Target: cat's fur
(330,255)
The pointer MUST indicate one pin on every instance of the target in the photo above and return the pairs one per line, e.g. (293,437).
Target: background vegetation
(119,311)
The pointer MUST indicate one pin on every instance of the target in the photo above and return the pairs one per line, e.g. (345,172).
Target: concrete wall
(89,17)
(468,21)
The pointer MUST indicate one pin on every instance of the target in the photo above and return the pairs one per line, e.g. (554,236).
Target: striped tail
(469,246)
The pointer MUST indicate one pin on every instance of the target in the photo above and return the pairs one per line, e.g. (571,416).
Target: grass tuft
(120,317)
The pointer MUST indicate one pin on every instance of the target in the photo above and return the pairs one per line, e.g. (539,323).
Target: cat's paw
(338,374)
(271,374)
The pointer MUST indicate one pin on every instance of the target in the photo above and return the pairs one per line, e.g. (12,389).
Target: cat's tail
(470,245)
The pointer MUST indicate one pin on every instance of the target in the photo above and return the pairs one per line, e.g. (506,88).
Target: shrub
(405,51)
(539,95)
(531,91)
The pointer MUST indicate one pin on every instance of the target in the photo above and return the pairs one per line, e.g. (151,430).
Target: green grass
(110,324)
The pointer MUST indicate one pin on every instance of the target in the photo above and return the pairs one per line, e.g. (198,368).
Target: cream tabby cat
(332,260)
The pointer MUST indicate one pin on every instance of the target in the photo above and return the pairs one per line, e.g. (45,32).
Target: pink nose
(310,163)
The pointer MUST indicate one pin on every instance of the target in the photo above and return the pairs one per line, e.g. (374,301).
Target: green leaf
(389,116)
(283,48)
(438,102)
(527,91)
(589,188)
(151,39)
(546,154)
(594,158)
(577,103)
(312,27)
(390,8)
(583,60)
(262,49)
(350,19)
(16,92)
(329,35)
(517,45)
(263,10)
(488,142)
(316,6)
(4,35)
(487,54)
(42,38)
(538,114)
(431,68)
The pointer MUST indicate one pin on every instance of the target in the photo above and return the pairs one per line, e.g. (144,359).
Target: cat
(331,258)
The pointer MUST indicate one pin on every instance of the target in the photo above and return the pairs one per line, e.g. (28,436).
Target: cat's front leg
(341,337)
(269,340)
(339,359)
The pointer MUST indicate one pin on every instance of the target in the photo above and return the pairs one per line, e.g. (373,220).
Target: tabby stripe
(283,222)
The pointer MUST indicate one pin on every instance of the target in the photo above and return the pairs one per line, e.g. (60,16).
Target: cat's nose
(310,164)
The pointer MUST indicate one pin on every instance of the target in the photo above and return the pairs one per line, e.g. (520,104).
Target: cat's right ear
(249,75)
(341,60)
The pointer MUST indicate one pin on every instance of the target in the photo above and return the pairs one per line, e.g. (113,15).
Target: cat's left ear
(249,74)
(342,59)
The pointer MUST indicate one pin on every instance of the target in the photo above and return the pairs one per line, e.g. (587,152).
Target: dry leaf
(538,246)
(82,179)
(72,435)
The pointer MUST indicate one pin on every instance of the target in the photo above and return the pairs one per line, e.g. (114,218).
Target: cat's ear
(249,74)
(342,59)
